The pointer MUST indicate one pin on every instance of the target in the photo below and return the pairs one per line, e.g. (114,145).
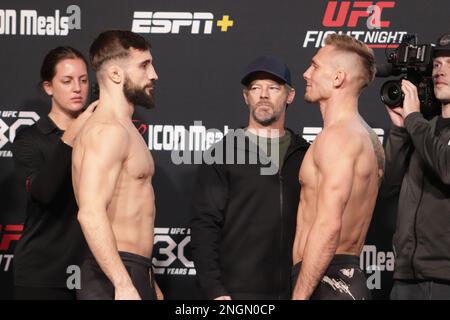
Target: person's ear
(339,78)
(291,96)
(245,93)
(115,74)
(48,87)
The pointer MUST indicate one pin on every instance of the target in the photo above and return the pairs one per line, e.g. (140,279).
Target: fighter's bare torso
(131,210)
(368,170)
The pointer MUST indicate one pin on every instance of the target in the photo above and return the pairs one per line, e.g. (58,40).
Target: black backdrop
(199,65)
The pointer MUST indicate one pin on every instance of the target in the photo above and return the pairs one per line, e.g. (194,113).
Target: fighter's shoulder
(339,133)
(339,139)
(111,133)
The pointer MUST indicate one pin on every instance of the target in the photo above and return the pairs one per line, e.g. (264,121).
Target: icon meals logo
(28,22)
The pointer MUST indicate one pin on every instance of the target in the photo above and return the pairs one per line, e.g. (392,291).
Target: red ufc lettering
(332,18)
(355,15)
(9,237)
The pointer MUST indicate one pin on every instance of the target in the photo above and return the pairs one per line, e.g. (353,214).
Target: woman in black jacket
(52,242)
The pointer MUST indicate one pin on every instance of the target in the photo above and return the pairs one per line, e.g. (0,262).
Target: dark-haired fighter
(112,172)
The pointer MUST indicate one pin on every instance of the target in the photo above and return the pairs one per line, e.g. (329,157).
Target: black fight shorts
(343,280)
(95,285)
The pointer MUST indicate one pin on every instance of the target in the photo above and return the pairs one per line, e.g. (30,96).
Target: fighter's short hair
(350,44)
(115,44)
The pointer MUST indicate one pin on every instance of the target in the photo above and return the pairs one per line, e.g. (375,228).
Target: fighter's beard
(138,96)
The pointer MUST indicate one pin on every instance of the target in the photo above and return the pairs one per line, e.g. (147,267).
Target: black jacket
(418,165)
(244,225)
(52,239)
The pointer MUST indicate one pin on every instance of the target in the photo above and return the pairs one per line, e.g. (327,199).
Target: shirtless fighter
(112,172)
(340,176)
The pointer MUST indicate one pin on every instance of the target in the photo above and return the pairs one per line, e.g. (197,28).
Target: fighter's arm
(104,153)
(335,159)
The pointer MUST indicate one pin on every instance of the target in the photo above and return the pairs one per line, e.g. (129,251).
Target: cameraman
(418,166)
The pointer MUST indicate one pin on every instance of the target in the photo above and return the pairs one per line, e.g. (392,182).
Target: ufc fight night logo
(28,22)
(176,22)
(364,20)
(10,122)
(8,235)
(170,252)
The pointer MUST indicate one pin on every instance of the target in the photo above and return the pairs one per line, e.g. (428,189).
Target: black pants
(95,285)
(343,280)
(420,290)
(43,293)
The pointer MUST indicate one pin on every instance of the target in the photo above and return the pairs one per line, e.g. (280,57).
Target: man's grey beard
(265,122)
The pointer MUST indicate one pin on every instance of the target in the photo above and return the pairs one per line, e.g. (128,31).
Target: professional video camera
(415,63)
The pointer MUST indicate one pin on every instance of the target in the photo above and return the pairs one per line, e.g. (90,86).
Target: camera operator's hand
(72,131)
(411,101)
(396,115)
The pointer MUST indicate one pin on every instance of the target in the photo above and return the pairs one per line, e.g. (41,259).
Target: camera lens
(391,93)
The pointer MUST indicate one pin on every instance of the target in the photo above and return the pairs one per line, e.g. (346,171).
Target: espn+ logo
(174,22)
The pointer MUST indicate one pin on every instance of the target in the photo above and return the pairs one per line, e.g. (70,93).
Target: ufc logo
(171,22)
(341,13)
(9,233)
(23,118)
